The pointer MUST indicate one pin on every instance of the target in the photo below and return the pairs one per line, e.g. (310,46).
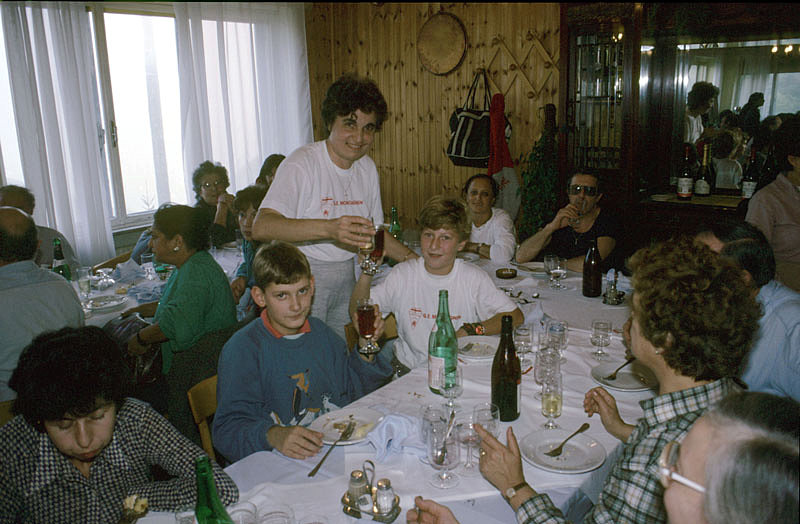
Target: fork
(557,451)
(344,436)
(613,376)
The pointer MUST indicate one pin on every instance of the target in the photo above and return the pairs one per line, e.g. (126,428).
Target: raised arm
(347,230)
(532,246)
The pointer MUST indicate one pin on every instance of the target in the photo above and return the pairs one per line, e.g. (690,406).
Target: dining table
(269,479)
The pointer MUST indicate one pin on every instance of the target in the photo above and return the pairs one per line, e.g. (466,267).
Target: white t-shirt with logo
(413,295)
(309,185)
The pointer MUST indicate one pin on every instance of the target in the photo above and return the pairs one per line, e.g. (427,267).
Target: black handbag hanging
(469,128)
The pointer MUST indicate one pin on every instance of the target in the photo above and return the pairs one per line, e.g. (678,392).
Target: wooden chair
(389,331)
(112,262)
(5,411)
(203,402)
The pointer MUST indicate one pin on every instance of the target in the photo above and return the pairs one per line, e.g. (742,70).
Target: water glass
(452,385)
(276,514)
(550,262)
(243,513)
(437,439)
(488,416)
(557,333)
(552,395)
(523,341)
(429,415)
(601,337)
(548,363)
(84,278)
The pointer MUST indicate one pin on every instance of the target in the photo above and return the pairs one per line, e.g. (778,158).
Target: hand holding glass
(372,252)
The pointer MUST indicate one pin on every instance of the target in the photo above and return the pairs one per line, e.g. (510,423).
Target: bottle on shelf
(751,176)
(506,374)
(208,509)
(704,181)
(685,181)
(442,345)
(592,276)
(60,265)
(394,226)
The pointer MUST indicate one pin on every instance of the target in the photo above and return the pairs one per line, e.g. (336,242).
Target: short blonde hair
(440,212)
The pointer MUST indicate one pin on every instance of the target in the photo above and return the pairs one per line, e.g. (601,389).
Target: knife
(344,436)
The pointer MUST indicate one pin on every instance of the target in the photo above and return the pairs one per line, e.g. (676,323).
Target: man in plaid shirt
(78,447)
(692,323)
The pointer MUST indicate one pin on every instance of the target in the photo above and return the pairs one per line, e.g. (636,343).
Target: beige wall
(379,41)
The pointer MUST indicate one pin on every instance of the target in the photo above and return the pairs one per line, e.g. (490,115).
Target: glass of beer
(372,252)
(365,313)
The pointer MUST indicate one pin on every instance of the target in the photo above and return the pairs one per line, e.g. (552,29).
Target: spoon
(613,376)
(557,451)
(442,452)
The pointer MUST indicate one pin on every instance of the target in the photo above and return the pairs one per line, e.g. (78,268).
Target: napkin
(147,291)
(127,271)
(397,433)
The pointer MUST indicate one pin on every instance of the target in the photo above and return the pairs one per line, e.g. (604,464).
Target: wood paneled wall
(378,40)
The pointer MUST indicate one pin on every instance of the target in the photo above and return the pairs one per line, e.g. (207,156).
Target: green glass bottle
(394,226)
(208,509)
(442,345)
(60,265)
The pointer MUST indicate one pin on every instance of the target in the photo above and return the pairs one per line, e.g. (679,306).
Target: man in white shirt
(411,289)
(326,197)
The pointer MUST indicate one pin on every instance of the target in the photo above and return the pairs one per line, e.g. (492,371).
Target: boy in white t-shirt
(411,290)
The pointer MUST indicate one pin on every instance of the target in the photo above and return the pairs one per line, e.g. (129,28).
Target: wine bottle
(506,375)
(751,176)
(60,265)
(592,277)
(685,177)
(442,346)
(208,509)
(702,186)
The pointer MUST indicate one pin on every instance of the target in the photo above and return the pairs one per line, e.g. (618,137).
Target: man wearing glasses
(573,230)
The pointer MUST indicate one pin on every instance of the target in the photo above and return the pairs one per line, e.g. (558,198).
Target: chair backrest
(203,402)
(389,331)
(5,411)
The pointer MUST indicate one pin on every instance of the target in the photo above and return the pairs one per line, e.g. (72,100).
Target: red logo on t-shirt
(326,204)
(415,314)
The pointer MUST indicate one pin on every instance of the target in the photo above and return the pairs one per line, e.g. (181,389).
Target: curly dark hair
(270,164)
(189,222)
(442,212)
(700,93)
(695,306)
(71,371)
(249,196)
(349,93)
(208,168)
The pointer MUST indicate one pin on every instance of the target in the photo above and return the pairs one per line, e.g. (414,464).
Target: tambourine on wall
(442,43)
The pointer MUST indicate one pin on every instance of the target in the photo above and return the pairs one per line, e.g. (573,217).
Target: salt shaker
(384,498)
(357,486)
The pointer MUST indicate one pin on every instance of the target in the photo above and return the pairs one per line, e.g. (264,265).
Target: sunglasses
(666,467)
(207,185)
(588,190)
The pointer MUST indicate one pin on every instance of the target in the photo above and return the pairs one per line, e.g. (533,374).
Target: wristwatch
(510,492)
(475,328)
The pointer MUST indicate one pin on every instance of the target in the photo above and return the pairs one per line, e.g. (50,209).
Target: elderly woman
(197,299)
(79,447)
(492,233)
(210,182)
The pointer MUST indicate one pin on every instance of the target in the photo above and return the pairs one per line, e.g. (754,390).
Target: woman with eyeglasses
(210,182)
(573,230)
(693,319)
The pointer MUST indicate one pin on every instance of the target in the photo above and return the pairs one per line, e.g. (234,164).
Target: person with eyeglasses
(210,182)
(572,231)
(693,320)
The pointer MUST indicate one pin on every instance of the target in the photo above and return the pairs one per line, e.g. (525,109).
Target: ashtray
(620,298)
(506,272)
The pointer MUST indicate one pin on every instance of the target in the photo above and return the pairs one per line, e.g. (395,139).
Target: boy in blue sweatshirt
(285,368)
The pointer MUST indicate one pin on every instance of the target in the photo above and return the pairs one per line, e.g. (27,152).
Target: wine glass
(551,400)
(365,313)
(548,363)
(550,262)
(429,415)
(469,437)
(84,279)
(487,415)
(452,385)
(105,280)
(557,333)
(601,337)
(437,438)
(558,272)
(372,251)
(523,341)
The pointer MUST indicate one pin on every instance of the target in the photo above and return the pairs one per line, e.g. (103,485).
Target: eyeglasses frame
(666,468)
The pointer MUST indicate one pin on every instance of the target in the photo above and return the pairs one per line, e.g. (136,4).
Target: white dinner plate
(106,302)
(634,377)
(483,346)
(581,454)
(333,423)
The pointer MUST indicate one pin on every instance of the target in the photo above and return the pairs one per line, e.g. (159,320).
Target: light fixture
(788,49)
(619,36)
(774,49)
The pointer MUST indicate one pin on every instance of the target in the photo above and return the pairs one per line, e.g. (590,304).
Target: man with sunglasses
(573,230)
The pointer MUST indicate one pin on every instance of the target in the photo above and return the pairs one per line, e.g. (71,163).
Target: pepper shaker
(384,498)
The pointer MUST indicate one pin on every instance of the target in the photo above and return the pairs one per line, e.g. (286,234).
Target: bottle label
(748,188)
(701,187)
(435,366)
(684,187)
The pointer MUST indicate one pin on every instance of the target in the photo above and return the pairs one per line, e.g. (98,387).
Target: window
(10,161)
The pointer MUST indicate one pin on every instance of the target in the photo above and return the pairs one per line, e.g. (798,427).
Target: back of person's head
(481,176)
(68,372)
(350,93)
(696,306)
(746,245)
(752,474)
(249,196)
(723,144)
(787,142)
(208,168)
(188,222)
(701,92)
(17,196)
(268,168)
(279,263)
(440,212)
(18,235)
(756,98)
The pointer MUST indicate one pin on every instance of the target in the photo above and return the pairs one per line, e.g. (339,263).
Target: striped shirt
(40,485)
(632,493)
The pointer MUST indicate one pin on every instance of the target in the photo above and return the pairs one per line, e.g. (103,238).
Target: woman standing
(492,233)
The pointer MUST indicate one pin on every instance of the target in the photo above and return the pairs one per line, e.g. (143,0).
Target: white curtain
(53,88)
(244,84)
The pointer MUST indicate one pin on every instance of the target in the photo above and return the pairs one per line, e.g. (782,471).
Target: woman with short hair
(492,235)
(210,183)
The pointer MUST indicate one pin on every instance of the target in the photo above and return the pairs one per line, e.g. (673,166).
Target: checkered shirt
(39,485)
(632,492)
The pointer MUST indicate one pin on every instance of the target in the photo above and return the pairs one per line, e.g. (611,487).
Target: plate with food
(332,424)
(581,454)
(635,377)
(478,347)
(106,302)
